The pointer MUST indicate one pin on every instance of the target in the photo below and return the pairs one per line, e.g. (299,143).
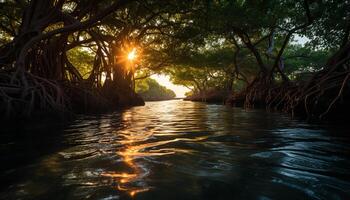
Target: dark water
(177,150)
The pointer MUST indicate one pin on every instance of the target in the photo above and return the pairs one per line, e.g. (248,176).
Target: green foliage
(82,60)
(331,27)
(149,89)
(223,58)
(299,59)
(201,44)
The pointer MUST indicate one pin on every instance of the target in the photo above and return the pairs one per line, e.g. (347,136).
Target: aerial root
(315,98)
(23,93)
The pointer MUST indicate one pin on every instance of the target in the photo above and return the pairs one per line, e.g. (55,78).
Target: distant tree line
(150,90)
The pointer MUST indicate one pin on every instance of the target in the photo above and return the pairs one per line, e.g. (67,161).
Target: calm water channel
(176,150)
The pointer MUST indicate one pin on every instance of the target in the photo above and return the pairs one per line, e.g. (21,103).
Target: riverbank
(62,101)
(158,99)
(211,96)
(305,100)
(323,94)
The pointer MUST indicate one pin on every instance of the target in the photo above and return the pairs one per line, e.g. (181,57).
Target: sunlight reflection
(138,145)
(128,181)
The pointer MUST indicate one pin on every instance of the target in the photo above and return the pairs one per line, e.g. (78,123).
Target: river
(177,150)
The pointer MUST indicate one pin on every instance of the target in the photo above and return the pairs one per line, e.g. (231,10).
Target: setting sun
(132,54)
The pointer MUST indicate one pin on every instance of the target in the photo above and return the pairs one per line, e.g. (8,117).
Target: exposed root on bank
(257,92)
(22,93)
(327,91)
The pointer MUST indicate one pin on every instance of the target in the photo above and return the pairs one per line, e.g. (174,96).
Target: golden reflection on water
(139,142)
(127,181)
(133,150)
(124,179)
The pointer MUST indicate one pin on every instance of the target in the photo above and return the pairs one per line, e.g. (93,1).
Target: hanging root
(322,96)
(256,92)
(326,94)
(23,94)
(327,91)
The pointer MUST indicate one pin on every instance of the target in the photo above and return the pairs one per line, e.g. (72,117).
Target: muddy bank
(211,96)
(312,100)
(62,101)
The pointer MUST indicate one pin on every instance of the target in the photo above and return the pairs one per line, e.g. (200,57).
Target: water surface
(177,150)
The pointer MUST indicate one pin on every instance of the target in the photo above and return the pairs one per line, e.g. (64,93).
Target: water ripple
(185,150)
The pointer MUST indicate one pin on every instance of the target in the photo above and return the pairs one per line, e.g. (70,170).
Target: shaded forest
(71,56)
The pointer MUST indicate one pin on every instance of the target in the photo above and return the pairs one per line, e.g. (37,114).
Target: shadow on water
(177,150)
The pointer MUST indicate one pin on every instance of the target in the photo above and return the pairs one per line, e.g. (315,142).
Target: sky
(165,81)
(300,40)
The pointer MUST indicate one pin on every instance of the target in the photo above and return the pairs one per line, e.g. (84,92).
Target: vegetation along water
(266,85)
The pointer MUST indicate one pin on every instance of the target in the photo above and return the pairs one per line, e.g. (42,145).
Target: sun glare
(132,54)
